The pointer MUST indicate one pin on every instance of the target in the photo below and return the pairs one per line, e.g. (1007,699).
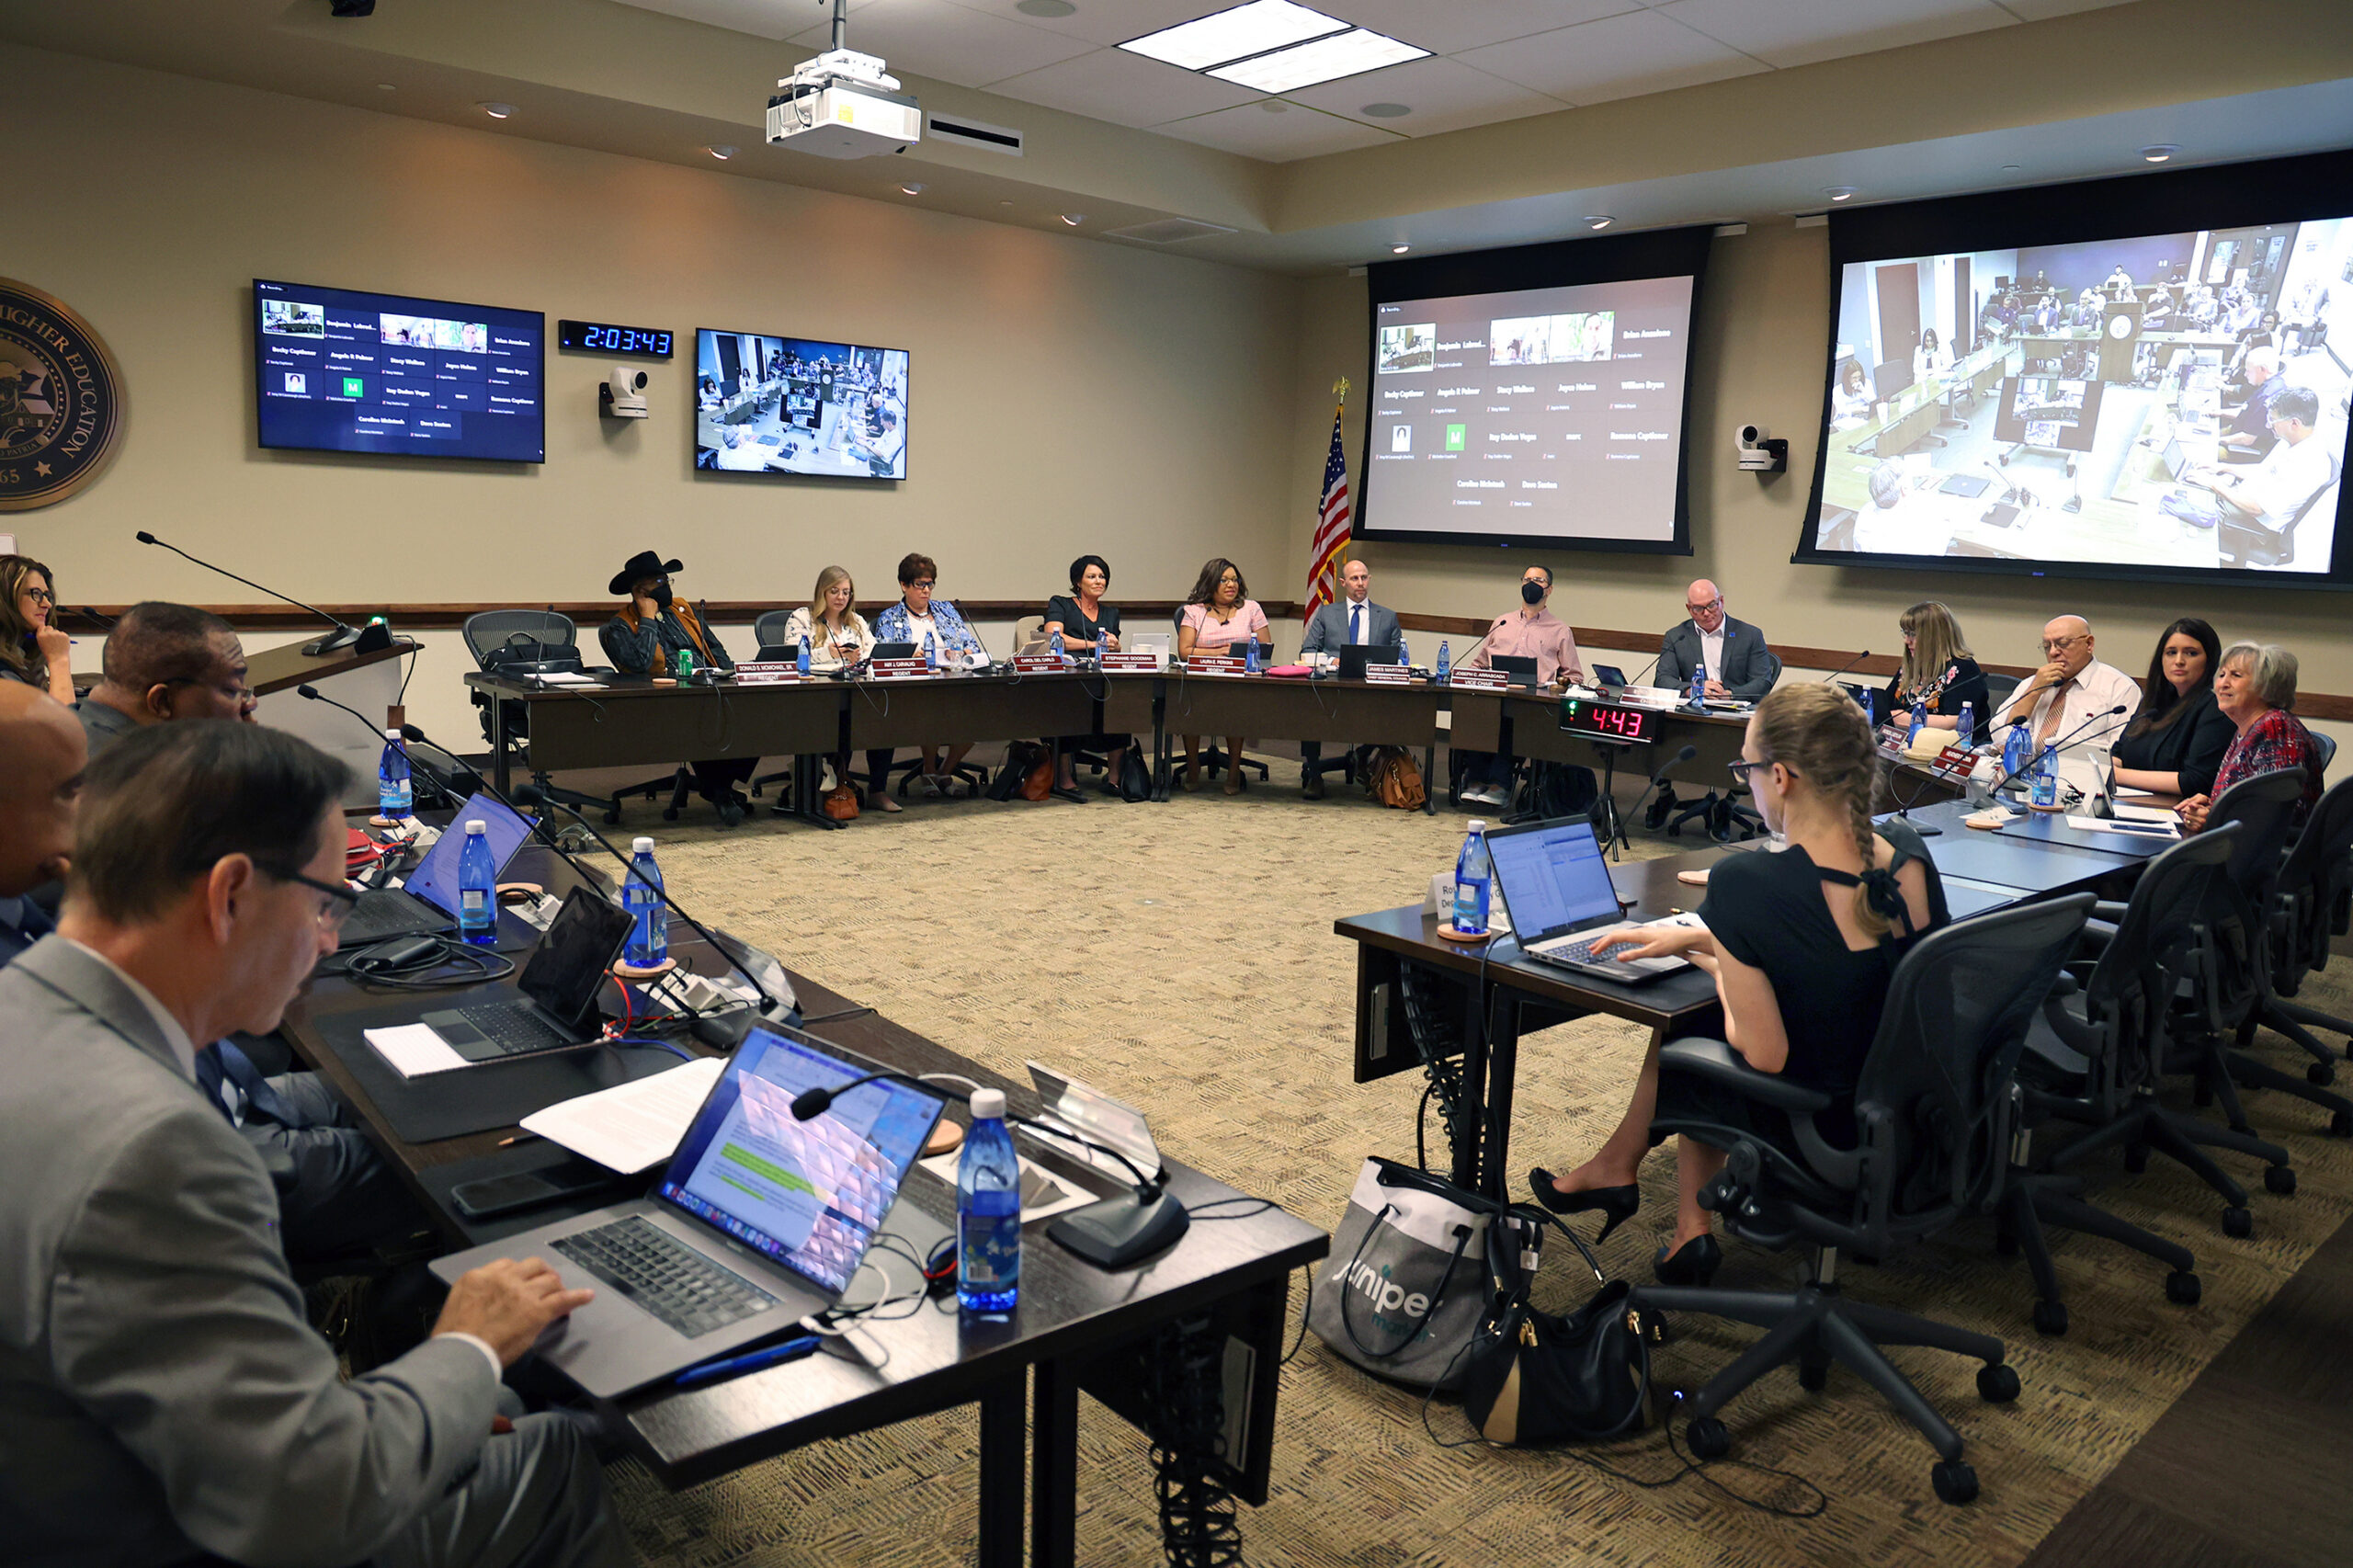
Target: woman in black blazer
(2174,744)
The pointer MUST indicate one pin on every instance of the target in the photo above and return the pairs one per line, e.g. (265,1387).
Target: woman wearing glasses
(837,635)
(1939,671)
(32,650)
(1801,945)
(1220,616)
(921,620)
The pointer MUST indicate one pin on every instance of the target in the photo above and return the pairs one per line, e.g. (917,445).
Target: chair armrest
(2108,909)
(1715,1060)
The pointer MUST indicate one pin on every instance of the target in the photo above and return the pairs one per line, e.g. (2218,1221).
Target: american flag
(1331,528)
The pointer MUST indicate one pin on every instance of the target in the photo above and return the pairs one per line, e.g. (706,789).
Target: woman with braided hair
(1802,944)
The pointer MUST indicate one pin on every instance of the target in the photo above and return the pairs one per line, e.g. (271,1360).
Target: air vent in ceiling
(1169,231)
(973,134)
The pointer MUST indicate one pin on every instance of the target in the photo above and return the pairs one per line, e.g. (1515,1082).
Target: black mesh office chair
(517,640)
(2312,903)
(1724,816)
(1933,1109)
(1998,690)
(768,631)
(2245,543)
(2326,838)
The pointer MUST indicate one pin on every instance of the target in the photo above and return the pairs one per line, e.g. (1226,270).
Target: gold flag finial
(1340,389)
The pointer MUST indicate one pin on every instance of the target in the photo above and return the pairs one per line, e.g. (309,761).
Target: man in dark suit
(1733,652)
(162,1397)
(1354,621)
(45,752)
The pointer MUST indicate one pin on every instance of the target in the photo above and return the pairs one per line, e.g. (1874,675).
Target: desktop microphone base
(334,641)
(1119,1232)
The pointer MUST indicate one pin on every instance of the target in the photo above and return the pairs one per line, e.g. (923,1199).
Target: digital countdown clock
(603,338)
(1610,723)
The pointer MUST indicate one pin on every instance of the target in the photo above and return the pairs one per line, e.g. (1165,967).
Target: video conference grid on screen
(2166,400)
(792,406)
(344,371)
(1555,412)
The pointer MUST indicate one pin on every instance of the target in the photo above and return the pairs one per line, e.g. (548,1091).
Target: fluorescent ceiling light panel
(1231,34)
(1325,60)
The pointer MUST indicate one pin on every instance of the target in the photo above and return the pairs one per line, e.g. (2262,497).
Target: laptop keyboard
(664,1276)
(514,1030)
(1573,952)
(388,912)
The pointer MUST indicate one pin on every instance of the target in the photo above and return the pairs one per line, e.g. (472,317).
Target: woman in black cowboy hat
(645,637)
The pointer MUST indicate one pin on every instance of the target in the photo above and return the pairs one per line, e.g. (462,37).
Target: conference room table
(1501,996)
(1078,1327)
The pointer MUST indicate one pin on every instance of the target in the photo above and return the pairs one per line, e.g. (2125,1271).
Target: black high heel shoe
(1616,1203)
(1694,1263)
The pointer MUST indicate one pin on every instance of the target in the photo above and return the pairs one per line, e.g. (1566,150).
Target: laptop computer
(2176,459)
(892,651)
(1518,668)
(1869,699)
(558,988)
(1355,656)
(427,900)
(757,1222)
(1556,886)
(1609,678)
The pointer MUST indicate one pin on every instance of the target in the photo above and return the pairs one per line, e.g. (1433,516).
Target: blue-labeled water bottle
(1474,880)
(1698,694)
(988,1211)
(931,652)
(2046,780)
(800,660)
(1445,663)
(2016,748)
(1054,646)
(649,929)
(477,888)
(395,790)
(1250,657)
(1968,728)
(1919,722)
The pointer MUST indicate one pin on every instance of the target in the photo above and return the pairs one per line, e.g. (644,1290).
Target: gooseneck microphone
(431,777)
(1847,666)
(342,637)
(90,613)
(1113,1234)
(2060,745)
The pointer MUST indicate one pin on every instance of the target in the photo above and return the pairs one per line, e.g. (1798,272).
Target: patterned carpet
(1182,957)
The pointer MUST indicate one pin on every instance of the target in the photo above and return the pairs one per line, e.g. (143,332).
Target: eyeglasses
(341,901)
(925,583)
(1741,771)
(1712,603)
(41,596)
(2060,644)
(238,693)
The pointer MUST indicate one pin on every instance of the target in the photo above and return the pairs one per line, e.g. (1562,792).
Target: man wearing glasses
(155,1367)
(2071,689)
(1733,652)
(165,662)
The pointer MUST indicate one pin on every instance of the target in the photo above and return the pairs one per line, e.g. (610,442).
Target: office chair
(543,636)
(2313,902)
(2252,544)
(1934,1110)
(768,632)
(1722,814)
(1998,691)
(2260,878)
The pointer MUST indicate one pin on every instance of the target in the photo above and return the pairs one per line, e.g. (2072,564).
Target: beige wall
(1758,355)
(1068,395)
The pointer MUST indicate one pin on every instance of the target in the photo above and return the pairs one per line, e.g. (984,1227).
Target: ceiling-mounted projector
(841,105)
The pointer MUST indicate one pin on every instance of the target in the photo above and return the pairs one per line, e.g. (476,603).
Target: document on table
(630,1126)
(414,1050)
(2137,828)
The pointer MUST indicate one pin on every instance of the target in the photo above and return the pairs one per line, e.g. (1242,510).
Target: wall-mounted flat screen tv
(797,405)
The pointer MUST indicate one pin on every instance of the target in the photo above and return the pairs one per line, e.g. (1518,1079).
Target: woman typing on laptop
(1801,945)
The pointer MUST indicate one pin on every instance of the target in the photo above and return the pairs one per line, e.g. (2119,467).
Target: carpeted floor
(1182,957)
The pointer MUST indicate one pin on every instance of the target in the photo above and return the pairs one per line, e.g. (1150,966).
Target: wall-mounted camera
(622,395)
(1758,453)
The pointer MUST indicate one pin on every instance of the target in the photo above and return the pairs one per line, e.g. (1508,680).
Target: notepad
(415,1051)
(630,1126)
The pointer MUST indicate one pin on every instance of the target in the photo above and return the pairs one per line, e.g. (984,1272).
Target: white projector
(840,105)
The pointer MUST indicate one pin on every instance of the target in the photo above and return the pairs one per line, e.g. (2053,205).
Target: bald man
(2069,698)
(2249,437)
(163,662)
(38,788)
(1733,652)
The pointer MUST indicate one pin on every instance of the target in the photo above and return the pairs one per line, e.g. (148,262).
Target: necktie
(224,1060)
(1356,623)
(2058,706)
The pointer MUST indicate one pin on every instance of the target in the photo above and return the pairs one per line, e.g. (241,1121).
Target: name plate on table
(1201,665)
(1389,674)
(1955,762)
(1128,662)
(1480,680)
(896,669)
(768,672)
(1038,664)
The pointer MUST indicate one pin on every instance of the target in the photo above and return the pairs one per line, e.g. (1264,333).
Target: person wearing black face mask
(645,637)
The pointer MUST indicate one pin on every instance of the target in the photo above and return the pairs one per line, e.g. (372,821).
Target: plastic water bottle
(1969,724)
(477,888)
(1250,657)
(2016,748)
(1445,662)
(1474,879)
(396,790)
(1699,697)
(988,1211)
(649,931)
(931,652)
(1919,722)
(800,660)
(1054,645)
(2046,779)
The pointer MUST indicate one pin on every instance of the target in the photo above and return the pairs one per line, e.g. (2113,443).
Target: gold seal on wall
(61,400)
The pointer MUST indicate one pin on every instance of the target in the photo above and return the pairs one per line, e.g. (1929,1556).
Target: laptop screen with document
(435,878)
(808,1195)
(1552,876)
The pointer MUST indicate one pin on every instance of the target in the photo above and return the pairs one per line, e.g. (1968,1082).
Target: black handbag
(1135,775)
(1532,1379)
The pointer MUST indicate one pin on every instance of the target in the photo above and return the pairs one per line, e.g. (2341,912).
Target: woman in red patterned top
(2255,686)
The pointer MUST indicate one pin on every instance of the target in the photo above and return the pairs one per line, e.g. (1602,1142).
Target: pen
(518,1138)
(775,1355)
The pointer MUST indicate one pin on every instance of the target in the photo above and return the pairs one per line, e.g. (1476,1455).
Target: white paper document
(414,1050)
(630,1126)
(1043,1194)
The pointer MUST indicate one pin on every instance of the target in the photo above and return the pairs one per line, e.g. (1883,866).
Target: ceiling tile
(1110,21)
(1279,138)
(1444,95)
(1457,25)
(764,18)
(1126,89)
(1617,57)
(1801,32)
(948,42)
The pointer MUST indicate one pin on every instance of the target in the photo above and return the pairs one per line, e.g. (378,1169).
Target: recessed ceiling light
(1233,34)
(1349,53)
(1399,250)
(723,152)
(2009,168)
(1386,111)
(1044,7)
(913,188)
(1598,220)
(496,112)
(1274,106)
(1838,192)
(1073,218)
(386,87)
(2162,153)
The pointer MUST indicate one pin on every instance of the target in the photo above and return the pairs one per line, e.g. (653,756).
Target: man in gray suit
(1353,621)
(1733,652)
(160,1396)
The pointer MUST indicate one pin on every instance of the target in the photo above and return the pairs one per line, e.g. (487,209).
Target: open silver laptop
(758,1221)
(1556,884)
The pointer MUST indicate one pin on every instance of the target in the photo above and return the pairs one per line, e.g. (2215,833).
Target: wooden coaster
(1696,878)
(946,1137)
(1451,935)
(520,892)
(632,972)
